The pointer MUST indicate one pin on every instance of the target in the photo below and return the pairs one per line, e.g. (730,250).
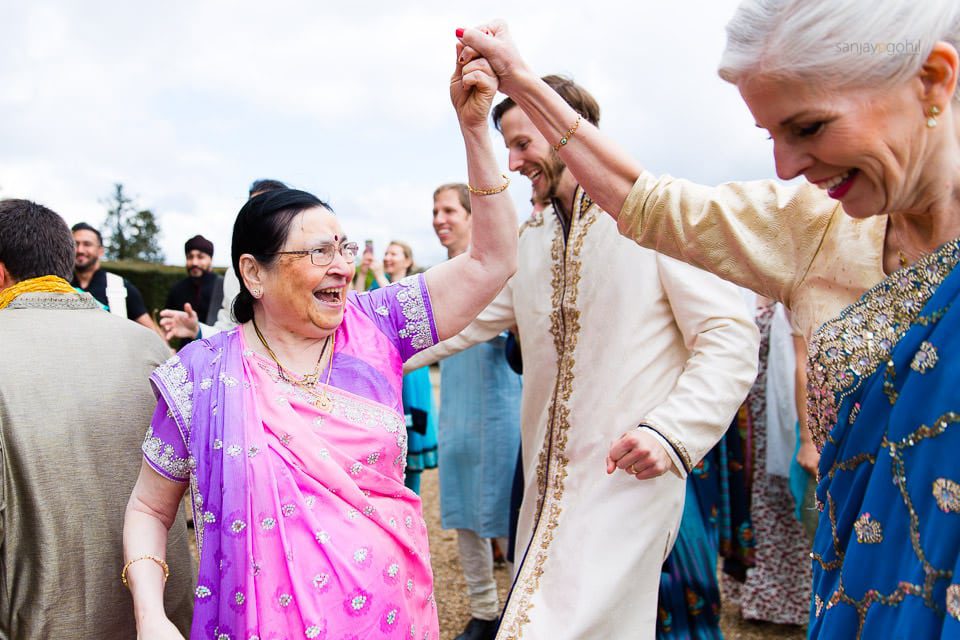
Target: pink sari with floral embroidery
(304,526)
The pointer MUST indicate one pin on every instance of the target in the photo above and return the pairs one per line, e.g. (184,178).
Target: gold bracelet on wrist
(159,561)
(569,134)
(493,191)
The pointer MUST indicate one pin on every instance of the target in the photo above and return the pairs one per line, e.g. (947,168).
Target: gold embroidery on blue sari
(868,530)
(861,345)
(925,358)
(847,350)
(953,601)
(947,494)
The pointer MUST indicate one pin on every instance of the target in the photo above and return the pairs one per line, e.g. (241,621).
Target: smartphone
(368,246)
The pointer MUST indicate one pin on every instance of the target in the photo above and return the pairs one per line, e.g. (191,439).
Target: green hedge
(153,280)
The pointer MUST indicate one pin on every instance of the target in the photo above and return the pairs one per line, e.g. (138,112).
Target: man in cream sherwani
(621,347)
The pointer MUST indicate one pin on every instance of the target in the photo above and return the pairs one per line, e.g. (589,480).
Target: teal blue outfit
(479,439)
(715,522)
(418,408)
(885,386)
(688,606)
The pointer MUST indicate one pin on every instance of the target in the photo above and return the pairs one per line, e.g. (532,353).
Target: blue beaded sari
(885,409)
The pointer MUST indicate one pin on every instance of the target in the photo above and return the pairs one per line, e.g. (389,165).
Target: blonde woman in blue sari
(861,99)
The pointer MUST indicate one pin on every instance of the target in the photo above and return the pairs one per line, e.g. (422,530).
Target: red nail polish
(460,33)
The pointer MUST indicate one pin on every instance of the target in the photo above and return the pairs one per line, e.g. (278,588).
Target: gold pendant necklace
(321,400)
(901,256)
(309,381)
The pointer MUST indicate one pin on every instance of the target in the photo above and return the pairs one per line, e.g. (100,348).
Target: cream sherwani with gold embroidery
(613,335)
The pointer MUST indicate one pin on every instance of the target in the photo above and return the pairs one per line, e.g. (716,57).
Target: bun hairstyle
(837,43)
(261,230)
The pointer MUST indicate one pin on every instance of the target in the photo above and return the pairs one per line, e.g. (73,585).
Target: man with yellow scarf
(74,399)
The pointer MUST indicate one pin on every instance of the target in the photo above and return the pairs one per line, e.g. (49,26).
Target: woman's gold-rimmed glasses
(324,254)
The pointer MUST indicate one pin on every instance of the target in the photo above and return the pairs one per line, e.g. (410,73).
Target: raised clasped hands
(472,89)
(639,454)
(492,43)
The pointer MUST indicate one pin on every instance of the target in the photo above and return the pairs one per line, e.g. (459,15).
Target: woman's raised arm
(463,286)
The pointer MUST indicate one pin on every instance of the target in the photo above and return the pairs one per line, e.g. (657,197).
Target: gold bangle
(566,137)
(159,561)
(493,191)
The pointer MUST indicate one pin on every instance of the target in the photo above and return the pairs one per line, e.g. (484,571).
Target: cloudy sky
(186,102)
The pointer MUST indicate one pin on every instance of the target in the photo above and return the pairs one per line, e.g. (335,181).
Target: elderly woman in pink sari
(289,429)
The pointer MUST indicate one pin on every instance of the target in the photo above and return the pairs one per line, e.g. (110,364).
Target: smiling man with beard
(620,345)
(118,295)
(203,289)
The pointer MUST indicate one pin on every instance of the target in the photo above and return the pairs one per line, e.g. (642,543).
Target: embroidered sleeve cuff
(676,451)
(162,457)
(418,330)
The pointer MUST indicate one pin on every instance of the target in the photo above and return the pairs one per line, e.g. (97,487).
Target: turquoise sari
(885,408)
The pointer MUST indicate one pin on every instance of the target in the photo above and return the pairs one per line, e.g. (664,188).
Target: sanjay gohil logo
(881,48)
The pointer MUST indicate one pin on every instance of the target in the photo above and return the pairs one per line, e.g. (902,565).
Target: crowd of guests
(765,371)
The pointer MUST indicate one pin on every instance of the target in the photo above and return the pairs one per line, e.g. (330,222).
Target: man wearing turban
(202,290)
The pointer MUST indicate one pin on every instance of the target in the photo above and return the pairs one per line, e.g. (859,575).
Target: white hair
(838,43)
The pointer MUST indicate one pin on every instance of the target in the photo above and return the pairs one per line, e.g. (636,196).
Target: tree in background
(132,234)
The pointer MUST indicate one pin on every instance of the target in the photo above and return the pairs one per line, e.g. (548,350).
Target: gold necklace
(320,399)
(308,382)
(901,256)
(310,378)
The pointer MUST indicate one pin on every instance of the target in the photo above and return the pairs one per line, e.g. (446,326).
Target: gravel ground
(448,584)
